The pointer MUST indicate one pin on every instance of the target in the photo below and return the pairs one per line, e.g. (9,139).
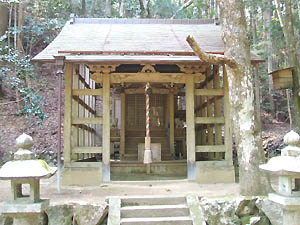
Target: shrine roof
(83,39)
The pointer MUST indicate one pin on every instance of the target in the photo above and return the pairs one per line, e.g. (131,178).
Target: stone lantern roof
(24,166)
(288,164)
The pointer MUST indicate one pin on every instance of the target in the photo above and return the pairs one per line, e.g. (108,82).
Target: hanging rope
(147,153)
(147,110)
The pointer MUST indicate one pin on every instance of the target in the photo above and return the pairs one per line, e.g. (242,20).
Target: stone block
(211,172)
(60,214)
(5,220)
(271,209)
(155,149)
(90,214)
(82,176)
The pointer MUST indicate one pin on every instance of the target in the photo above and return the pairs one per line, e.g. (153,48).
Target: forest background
(26,27)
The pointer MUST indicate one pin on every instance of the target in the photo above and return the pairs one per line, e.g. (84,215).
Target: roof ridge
(143,21)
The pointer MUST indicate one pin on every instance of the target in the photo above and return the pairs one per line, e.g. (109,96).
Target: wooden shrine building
(107,64)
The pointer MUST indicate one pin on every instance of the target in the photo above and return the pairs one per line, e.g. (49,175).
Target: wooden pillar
(172,123)
(190,122)
(75,105)
(210,129)
(123,122)
(106,129)
(81,114)
(68,113)
(227,126)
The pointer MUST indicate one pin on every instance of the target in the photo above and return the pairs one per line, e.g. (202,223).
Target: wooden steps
(158,210)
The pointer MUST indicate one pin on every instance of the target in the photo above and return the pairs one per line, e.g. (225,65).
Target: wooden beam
(88,150)
(146,77)
(93,92)
(210,148)
(68,112)
(210,120)
(205,104)
(106,128)
(79,120)
(161,91)
(209,92)
(85,127)
(84,105)
(190,121)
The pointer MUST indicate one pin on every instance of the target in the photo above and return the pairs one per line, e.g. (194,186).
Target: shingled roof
(126,40)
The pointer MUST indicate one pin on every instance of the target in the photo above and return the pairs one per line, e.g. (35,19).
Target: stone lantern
(287,168)
(25,209)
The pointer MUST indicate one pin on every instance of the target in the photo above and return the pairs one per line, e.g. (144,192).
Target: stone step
(183,220)
(154,211)
(152,200)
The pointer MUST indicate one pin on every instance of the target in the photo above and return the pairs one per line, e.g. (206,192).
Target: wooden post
(172,121)
(190,122)
(106,129)
(123,126)
(75,130)
(227,126)
(80,115)
(210,135)
(68,112)
(218,111)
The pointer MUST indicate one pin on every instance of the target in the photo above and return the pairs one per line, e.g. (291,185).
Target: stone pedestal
(155,149)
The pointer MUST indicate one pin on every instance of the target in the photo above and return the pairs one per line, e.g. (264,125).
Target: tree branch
(210,58)
(184,6)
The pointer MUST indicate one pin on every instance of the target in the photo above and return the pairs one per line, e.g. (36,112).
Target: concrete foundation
(170,168)
(78,176)
(210,172)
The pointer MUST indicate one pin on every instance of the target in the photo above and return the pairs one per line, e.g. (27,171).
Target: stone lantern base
(24,213)
(290,207)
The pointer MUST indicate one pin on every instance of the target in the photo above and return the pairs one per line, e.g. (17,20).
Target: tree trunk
(144,8)
(287,25)
(121,8)
(9,23)
(267,16)
(20,25)
(83,8)
(289,108)
(240,80)
(107,8)
(4,12)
